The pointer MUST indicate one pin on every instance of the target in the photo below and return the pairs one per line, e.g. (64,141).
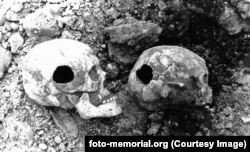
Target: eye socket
(93,73)
(145,74)
(63,74)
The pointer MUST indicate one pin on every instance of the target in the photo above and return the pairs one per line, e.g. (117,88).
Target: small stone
(17,7)
(7,27)
(14,26)
(5,45)
(6,94)
(137,132)
(244,79)
(30,143)
(155,117)
(5,59)
(154,129)
(43,146)
(41,132)
(231,117)
(1,36)
(245,88)
(112,70)
(229,125)
(62,147)
(67,35)
(246,119)
(228,111)
(54,1)
(7,36)
(2,20)
(103,46)
(226,88)
(16,41)
(42,22)
(58,139)
(198,133)
(12,16)
(51,149)
(81,146)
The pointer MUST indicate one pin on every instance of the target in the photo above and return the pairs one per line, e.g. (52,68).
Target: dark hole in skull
(63,74)
(93,74)
(145,74)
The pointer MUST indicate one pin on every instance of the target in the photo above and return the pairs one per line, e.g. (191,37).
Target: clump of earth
(119,31)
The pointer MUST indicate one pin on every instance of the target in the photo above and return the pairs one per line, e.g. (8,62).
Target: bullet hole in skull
(145,74)
(63,74)
(77,79)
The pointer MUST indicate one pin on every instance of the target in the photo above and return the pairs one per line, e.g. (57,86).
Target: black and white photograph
(76,75)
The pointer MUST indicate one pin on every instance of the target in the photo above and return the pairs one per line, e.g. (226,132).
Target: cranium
(164,76)
(66,73)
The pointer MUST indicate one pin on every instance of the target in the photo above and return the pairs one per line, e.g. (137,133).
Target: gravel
(16,41)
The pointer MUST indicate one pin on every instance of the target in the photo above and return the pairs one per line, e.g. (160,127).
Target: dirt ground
(28,127)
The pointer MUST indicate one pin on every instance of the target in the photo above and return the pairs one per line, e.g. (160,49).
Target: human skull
(66,73)
(166,76)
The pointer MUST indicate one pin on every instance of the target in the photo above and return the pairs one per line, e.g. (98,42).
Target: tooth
(104,101)
(100,97)
(108,100)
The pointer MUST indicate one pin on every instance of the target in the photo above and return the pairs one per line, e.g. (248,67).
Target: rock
(1,36)
(76,35)
(154,129)
(137,132)
(112,70)
(198,133)
(12,16)
(242,7)
(54,1)
(7,28)
(228,111)
(62,147)
(67,35)
(232,16)
(30,143)
(5,45)
(2,20)
(51,149)
(229,125)
(58,139)
(14,26)
(16,41)
(245,79)
(43,146)
(41,132)
(128,40)
(43,22)
(226,88)
(155,117)
(17,7)
(246,119)
(5,57)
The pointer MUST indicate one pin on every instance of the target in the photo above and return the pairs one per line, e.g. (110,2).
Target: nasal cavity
(63,74)
(145,74)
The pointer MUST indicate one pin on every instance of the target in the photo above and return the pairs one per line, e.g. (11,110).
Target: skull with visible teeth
(66,73)
(167,76)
